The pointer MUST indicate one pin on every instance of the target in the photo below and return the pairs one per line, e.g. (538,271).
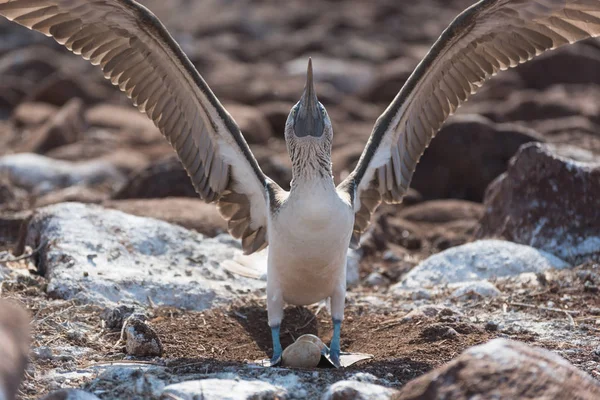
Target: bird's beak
(309,117)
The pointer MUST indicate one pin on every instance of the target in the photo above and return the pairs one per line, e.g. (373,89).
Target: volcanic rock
(164,178)
(252,122)
(140,339)
(503,369)
(548,201)
(570,64)
(187,212)
(444,168)
(65,127)
(43,174)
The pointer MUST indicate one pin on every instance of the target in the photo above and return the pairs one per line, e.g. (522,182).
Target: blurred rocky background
(520,162)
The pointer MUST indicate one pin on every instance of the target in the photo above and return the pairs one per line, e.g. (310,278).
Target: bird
(308,229)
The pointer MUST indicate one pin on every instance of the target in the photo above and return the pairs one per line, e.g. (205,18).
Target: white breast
(308,242)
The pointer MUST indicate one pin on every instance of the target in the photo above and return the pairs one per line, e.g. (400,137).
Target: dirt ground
(402,347)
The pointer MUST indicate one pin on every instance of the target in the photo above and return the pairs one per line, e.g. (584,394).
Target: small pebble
(375,279)
(43,353)
(451,332)
(115,317)
(491,326)
(141,339)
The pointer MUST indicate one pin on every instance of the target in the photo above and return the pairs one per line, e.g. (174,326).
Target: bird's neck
(311,164)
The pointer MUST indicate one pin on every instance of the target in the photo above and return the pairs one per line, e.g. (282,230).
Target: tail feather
(251,266)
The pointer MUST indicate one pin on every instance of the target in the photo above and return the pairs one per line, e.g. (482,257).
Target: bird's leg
(337,315)
(277,350)
(275,314)
(334,347)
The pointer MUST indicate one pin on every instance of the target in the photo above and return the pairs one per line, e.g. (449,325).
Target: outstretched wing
(138,55)
(490,36)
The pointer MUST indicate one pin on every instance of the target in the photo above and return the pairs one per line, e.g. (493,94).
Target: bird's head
(308,120)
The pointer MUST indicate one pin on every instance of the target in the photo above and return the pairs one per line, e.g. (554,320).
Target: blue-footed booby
(309,228)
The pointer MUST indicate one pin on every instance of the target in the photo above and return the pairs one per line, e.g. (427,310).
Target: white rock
(43,174)
(106,256)
(222,389)
(477,261)
(478,288)
(358,391)
(42,353)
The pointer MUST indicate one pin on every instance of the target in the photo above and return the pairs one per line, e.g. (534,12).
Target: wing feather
(138,55)
(488,37)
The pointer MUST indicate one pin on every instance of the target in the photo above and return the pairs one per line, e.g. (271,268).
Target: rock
(347,76)
(376,279)
(477,289)
(558,101)
(33,114)
(42,353)
(64,127)
(548,201)
(276,113)
(579,64)
(442,169)
(140,339)
(106,257)
(475,261)
(442,211)
(70,394)
(254,125)
(80,194)
(426,312)
(345,158)
(11,196)
(34,62)
(352,390)
(42,174)
(10,226)
(164,178)
(214,389)
(14,347)
(189,213)
(353,266)
(58,89)
(127,160)
(275,162)
(389,78)
(120,118)
(116,316)
(503,369)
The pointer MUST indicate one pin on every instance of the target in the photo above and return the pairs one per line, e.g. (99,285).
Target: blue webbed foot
(277,351)
(334,348)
